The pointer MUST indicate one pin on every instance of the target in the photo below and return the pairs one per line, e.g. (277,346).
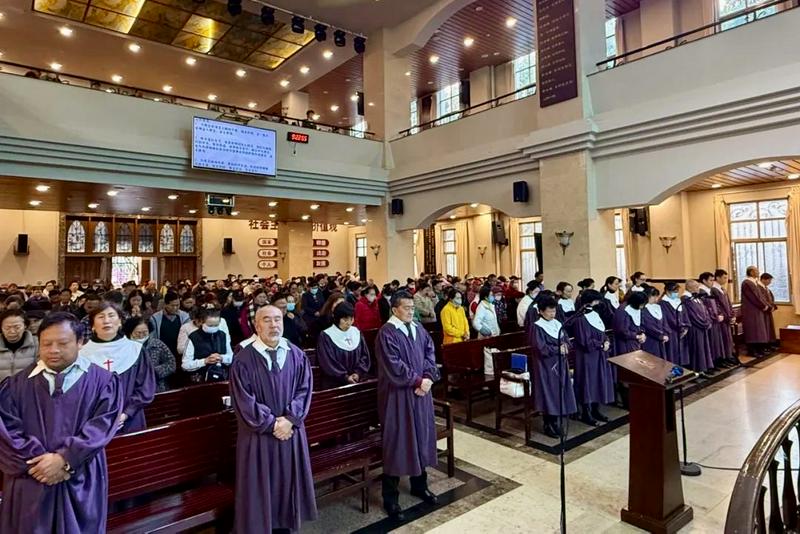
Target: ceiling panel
(617,8)
(779,171)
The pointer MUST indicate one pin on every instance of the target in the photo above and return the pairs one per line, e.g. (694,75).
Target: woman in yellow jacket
(454,319)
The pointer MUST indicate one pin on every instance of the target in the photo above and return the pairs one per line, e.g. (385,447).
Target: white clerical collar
(400,325)
(594,319)
(247,342)
(636,315)
(613,298)
(80,362)
(568,305)
(674,302)
(115,356)
(344,339)
(262,347)
(551,327)
(705,289)
(636,289)
(655,310)
(718,286)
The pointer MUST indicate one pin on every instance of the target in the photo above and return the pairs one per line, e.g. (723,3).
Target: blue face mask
(210,329)
(314,290)
(290,306)
(673,295)
(491,299)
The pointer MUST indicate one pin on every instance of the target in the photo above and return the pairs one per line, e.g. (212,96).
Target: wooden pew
(186,402)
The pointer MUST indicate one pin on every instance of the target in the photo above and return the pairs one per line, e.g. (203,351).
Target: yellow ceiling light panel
(287,34)
(264,61)
(70,9)
(109,20)
(205,27)
(163,15)
(130,8)
(193,42)
(276,47)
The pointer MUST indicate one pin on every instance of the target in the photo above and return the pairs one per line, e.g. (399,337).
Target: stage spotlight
(267,16)
(359,44)
(321,32)
(339,38)
(235,7)
(298,24)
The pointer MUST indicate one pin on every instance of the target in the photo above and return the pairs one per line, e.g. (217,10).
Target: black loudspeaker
(360,104)
(463,96)
(397,206)
(520,191)
(537,240)
(362,268)
(227,246)
(639,220)
(499,233)
(22,248)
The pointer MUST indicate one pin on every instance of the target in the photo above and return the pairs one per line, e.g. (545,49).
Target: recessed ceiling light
(511,22)
(252,105)
(35,203)
(473,205)
(304,69)
(66,31)
(434,59)
(354,98)
(167,88)
(2,15)
(793,176)
(172,197)
(272,204)
(43,188)
(272,215)
(364,221)
(109,90)
(371,104)
(241,73)
(327,54)
(234,213)
(1,53)
(349,210)
(156,99)
(314,206)
(93,205)
(315,116)
(347,79)
(334,108)
(469,41)
(484,56)
(212,97)
(191,61)
(134,47)
(306,217)
(284,83)
(145,208)
(112,193)
(478,8)
(116,78)
(765,164)
(496,54)
(346,223)
(55,65)
(716,186)
(192,211)
(452,217)
(430,83)
(408,73)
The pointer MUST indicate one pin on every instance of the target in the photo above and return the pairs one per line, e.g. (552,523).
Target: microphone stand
(688,469)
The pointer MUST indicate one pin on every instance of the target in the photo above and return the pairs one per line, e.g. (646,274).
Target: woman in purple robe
(697,344)
(552,388)
(56,417)
(676,324)
(628,332)
(271,384)
(610,303)
(112,351)
(566,306)
(594,381)
(342,353)
(716,335)
(654,326)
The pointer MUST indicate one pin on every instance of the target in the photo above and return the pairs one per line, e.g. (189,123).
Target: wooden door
(81,268)
(176,268)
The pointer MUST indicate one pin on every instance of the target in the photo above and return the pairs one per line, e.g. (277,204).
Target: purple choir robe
(274,483)
(654,329)
(754,313)
(77,424)
(594,380)
(726,309)
(138,389)
(676,323)
(338,363)
(531,316)
(407,421)
(697,344)
(625,332)
(716,336)
(546,358)
(770,298)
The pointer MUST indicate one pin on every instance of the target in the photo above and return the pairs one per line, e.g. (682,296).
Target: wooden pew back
(186,402)
(468,355)
(343,410)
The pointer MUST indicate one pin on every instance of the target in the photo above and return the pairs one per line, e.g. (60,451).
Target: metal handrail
(493,103)
(676,39)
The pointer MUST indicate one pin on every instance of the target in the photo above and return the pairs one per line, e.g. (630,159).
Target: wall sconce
(282,256)
(482,250)
(667,242)
(564,238)
(376,249)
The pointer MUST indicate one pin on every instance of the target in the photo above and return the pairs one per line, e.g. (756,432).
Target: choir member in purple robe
(697,344)
(566,306)
(56,417)
(594,381)
(628,331)
(754,314)
(610,293)
(676,324)
(766,280)
(716,336)
(638,283)
(656,336)
(271,384)
(112,351)
(342,353)
(532,315)
(719,292)
(406,372)
(552,388)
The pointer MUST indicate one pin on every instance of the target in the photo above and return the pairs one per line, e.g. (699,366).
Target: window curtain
(793,248)
(627,239)
(514,247)
(439,249)
(722,223)
(619,36)
(462,247)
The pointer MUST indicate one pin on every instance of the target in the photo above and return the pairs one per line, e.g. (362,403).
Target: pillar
(395,258)
(386,86)
(659,19)
(294,104)
(295,256)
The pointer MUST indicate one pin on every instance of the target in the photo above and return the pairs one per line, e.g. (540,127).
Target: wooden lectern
(655,493)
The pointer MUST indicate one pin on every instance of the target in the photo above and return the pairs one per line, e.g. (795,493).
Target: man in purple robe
(594,381)
(719,292)
(754,314)
(271,384)
(56,417)
(716,336)
(406,372)
(697,345)
(766,280)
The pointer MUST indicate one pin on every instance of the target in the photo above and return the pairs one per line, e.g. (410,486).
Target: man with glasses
(17,346)
(406,372)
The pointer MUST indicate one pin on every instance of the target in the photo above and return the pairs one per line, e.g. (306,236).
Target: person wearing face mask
(161,359)
(628,331)
(697,344)
(294,329)
(230,315)
(485,320)
(455,326)
(655,330)
(367,310)
(112,351)
(676,324)
(208,352)
(499,301)
(424,305)
(526,301)
(313,301)
(716,336)
(594,379)
(342,353)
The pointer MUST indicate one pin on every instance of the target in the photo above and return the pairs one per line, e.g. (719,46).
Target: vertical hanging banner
(555,33)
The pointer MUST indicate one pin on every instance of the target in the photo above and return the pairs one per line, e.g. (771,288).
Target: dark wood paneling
(751,175)
(616,8)
(81,268)
(179,269)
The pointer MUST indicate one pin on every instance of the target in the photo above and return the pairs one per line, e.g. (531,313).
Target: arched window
(124,238)
(166,241)
(187,240)
(146,238)
(101,241)
(76,237)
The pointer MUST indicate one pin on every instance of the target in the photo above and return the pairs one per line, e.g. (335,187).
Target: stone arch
(416,32)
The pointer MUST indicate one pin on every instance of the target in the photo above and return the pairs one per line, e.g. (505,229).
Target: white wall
(42,229)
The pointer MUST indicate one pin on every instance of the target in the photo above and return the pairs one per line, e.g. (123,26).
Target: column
(294,104)
(659,19)
(395,257)
(386,86)
(295,249)
(567,200)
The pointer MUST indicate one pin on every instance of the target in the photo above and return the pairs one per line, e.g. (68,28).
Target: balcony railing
(228,112)
(749,15)
(472,110)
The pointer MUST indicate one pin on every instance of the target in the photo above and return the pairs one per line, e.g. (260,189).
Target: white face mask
(140,341)
(210,329)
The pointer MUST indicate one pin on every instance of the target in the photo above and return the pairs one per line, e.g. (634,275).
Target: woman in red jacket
(367,311)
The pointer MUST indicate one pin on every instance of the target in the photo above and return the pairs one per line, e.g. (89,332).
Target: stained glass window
(187,240)
(76,237)
(102,243)
(124,238)
(125,269)
(146,238)
(166,241)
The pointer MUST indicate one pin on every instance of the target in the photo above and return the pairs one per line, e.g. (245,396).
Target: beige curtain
(722,224)
(627,238)
(793,249)
(462,247)
(439,249)
(513,247)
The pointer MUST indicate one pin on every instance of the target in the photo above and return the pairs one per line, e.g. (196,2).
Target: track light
(298,24)
(267,16)
(339,38)
(360,45)
(321,32)
(235,7)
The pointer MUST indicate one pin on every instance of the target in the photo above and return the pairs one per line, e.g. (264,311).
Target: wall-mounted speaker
(397,206)
(520,191)
(499,233)
(360,104)
(227,246)
(22,248)
(639,220)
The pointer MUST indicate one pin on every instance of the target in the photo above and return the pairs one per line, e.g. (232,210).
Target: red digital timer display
(294,137)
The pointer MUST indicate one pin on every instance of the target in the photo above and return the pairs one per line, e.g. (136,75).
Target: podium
(655,493)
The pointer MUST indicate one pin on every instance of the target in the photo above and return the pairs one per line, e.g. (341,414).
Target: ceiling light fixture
(43,188)
(66,31)
(267,16)
(511,22)
(304,69)
(298,24)
(765,164)
(172,197)
(191,61)
(716,186)
(346,223)
(116,78)
(272,215)
(93,205)
(272,204)
(349,210)
(314,206)
(134,47)
(371,104)
(359,44)
(167,88)
(469,41)
(315,116)
(452,217)
(284,83)
(192,212)
(334,108)
(339,38)
(241,73)
(112,193)
(793,176)
(306,217)
(212,97)
(35,203)
(252,105)
(434,59)
(354,98)
(55,65)
(327,54)
(320,32)
(473,205)
(145,208)
(408,73)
